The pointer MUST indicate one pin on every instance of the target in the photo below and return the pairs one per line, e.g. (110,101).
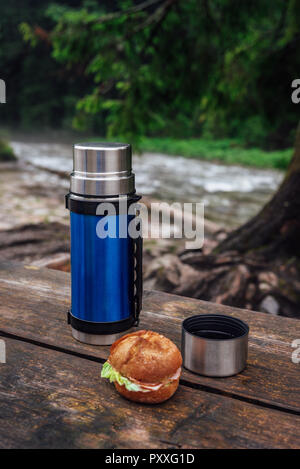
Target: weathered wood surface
(33,305)
(51,399)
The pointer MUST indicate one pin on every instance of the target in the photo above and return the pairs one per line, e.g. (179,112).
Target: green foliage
(211,68)
(185,68)
(6,152)
(39,92)
(223,150)
(28,34)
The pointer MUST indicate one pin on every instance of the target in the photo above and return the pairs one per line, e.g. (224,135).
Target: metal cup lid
(214,344)
(102,169)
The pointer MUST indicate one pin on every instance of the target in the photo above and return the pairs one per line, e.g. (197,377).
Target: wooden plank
(50,399)
(33,304)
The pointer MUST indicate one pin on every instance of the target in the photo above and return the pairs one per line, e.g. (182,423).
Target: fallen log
(29,243)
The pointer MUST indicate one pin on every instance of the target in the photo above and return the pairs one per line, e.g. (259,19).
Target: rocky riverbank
(34,228)
(34,224)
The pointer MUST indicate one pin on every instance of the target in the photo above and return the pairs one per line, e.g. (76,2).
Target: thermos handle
(138,248)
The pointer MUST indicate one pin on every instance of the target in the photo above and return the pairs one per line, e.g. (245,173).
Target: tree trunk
(256,267)
(276,229)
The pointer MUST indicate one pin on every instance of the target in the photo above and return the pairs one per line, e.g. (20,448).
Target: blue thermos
(106,260)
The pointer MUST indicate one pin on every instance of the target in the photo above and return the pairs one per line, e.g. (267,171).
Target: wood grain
(33,305)
(49,399)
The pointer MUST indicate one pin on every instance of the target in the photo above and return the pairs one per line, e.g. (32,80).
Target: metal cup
(102,169)
(214,345)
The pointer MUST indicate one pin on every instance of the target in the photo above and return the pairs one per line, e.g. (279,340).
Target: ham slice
(154,387)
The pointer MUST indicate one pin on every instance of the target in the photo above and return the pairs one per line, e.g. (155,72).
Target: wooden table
(51,395)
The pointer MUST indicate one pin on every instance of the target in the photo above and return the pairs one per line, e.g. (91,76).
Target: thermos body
(102,272)
(106,269)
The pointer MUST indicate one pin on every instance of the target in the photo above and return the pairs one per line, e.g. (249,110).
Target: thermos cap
(102,169)
(214,344)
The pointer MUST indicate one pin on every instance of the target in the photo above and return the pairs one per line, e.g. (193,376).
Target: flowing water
(231,194)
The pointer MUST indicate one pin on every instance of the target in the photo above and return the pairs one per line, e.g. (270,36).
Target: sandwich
(144,366)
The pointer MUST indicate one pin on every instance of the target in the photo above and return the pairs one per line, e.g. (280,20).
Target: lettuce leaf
(113,375)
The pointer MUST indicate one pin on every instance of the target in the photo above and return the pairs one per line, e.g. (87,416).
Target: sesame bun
(147,358)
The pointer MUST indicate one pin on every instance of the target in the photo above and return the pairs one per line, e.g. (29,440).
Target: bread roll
(145,367)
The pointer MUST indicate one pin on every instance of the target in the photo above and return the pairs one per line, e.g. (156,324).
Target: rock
(269,305)
(56,262)
(168,273)
(264,287)
(235,280)
(156,248)
(221,235)
(166,264)
(268,277)
(250,292)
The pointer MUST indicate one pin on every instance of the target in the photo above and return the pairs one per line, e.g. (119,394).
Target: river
(231,194)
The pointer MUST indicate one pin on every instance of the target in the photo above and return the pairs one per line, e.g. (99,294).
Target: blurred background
(203,91)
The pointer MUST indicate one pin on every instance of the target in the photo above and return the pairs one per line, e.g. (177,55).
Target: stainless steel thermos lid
(214,345)
(102,169)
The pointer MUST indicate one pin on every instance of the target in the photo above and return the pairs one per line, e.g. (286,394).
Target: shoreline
(231,152)
(224,151)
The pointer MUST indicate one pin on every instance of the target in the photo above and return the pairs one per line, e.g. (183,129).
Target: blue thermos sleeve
(102,272)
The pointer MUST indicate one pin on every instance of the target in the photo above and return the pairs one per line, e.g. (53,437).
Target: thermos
(106,270)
